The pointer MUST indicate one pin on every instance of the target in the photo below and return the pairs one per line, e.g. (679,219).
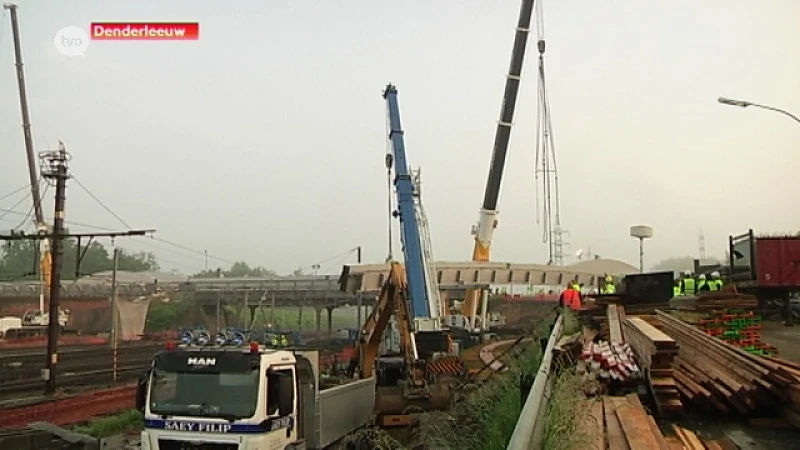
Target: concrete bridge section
(368,278)
(319,292)
(89,297)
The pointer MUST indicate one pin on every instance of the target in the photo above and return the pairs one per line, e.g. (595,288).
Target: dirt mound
(523,312)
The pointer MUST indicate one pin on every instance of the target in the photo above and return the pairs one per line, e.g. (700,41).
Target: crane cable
(545,146)
(388,162)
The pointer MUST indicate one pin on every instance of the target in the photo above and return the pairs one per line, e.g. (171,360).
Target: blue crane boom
(412,241)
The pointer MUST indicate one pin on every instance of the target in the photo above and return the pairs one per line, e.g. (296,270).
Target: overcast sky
(264,140)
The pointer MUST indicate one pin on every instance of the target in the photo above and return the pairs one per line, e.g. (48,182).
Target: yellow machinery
(487,222)
(414,381)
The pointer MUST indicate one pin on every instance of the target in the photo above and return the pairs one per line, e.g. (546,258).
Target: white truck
(33,322)
(246,398)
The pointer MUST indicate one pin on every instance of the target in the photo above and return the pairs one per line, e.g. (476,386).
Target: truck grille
(169,444)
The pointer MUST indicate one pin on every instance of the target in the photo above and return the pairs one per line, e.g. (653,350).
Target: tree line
(19,260)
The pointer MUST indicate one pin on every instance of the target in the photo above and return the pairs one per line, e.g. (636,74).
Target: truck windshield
(227,395)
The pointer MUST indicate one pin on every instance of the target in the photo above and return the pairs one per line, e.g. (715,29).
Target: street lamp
(745,104)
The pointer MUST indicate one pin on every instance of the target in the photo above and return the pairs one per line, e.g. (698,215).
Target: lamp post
(745,104)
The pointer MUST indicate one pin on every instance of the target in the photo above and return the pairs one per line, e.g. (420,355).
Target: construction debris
(655,352)
(609,361)
(716,375)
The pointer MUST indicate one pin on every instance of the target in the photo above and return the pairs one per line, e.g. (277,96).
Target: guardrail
(528,431)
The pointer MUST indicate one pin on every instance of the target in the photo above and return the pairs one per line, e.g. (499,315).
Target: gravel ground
(121,442)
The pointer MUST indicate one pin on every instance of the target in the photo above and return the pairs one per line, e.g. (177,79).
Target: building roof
(609,266)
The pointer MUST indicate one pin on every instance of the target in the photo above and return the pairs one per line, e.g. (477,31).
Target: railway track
(21,374)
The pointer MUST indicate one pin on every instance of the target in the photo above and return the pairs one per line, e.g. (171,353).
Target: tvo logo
(71,41)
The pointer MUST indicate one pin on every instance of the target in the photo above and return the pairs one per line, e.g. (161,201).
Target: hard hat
(702,276)
(609,278)
(715,274)
(687,273)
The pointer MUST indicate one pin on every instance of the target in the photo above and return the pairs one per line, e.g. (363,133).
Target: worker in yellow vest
(716,281)
(702,284)
(609,287)
(688,285)
(676,288)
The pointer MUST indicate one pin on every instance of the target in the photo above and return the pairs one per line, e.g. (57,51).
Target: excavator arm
(392,301)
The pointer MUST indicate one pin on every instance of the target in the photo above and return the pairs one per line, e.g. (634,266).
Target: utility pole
(54,167)
(205,253)
(115,311)
(358,254)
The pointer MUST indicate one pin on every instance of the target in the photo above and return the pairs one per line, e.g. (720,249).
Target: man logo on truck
(201,361)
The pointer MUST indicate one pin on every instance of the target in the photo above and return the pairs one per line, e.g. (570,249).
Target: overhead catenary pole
(114,311)
(55,167)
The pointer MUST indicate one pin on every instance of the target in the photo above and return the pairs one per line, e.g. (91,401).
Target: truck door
(282,401)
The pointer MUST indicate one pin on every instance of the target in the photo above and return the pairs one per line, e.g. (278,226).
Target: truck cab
(234,395)
(219,398)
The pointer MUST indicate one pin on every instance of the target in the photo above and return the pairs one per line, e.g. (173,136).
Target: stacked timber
(621,422)
(713,301)
(656,352)
(791,411)
(716,375)
(686,439)
(615,314)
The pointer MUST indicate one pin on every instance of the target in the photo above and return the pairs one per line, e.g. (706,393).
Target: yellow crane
(487,222)
(45,262)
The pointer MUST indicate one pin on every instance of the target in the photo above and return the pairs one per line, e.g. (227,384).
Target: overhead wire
(33,206)
(145,240)
(338,257)
(14,192)
(339,262)
(99,202)
(124,223)
(9,211)
(548,212)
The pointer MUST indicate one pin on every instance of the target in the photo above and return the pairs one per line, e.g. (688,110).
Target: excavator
(424,373)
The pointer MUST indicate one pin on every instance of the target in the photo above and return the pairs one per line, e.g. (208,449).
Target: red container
(778,261)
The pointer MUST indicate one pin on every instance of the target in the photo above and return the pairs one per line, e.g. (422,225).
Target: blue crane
(412,242)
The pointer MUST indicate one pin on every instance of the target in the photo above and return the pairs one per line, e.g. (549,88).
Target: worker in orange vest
(570,298)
